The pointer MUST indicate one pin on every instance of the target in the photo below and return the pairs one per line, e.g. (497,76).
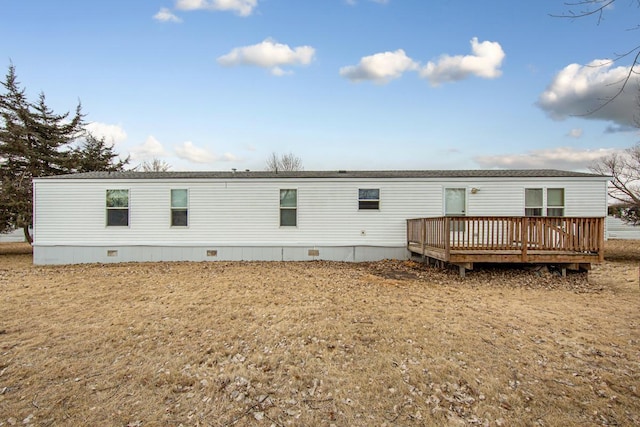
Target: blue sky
(343,84)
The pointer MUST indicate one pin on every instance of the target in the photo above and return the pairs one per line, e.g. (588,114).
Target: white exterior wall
(505,196)
(239,218)
(13,237)
(618,229)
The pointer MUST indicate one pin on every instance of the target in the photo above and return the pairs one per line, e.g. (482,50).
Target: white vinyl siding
(246,212)
(618,229)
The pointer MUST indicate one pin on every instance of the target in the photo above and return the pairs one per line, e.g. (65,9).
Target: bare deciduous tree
(285,162)
(154,165)
(589,8)
(624,170)
(623,167)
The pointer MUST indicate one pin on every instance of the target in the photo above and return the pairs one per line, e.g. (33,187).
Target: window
(535,202)
(288,208)
(555,202)
(369,198)
(117,208)
(179,208)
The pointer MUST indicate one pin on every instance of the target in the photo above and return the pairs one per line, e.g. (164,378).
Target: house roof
(471,173)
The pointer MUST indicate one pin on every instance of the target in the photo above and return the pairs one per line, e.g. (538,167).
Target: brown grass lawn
(318,344)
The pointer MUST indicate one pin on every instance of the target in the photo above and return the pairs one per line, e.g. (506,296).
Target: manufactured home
(619,229)
(327,215)
(14,236)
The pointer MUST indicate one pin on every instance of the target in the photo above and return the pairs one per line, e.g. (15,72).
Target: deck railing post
(424,235)
(447,238)
(600,228)
(524,238)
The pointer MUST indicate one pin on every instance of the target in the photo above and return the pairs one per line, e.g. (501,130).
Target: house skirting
(49,255)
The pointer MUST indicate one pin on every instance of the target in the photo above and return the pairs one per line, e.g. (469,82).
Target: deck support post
(463,267)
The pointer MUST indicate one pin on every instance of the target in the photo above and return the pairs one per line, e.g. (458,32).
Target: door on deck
(455,204)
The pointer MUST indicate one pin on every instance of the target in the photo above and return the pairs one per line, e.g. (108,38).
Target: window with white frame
(533,205)
(555,202)
(369,199)
(288,207)
(179,207)
(540,201)
(117,208)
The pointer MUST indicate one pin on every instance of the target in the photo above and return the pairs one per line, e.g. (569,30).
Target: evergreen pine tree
(95,154)
(37,142)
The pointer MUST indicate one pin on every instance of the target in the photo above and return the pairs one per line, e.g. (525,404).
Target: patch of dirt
(622,250)
(513,276)
(15,248)
(318,343)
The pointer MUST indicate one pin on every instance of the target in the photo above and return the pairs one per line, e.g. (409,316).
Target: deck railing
(483,233)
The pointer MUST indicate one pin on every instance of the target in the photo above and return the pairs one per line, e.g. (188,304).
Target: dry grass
(317,343)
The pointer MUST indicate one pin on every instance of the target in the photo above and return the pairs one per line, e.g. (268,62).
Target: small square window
(369,199)
(179,218)
(288,217)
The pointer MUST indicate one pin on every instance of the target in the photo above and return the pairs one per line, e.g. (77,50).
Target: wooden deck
(573,243)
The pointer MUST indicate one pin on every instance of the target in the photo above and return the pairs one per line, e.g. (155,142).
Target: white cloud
(111,133)
(268,54)
(150,149)
(165,15)
(583,90)
(188,151)
(566,158)
(575,133)
(380,68)
(241,7)
(485,62)
(229,157)
(279,72)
